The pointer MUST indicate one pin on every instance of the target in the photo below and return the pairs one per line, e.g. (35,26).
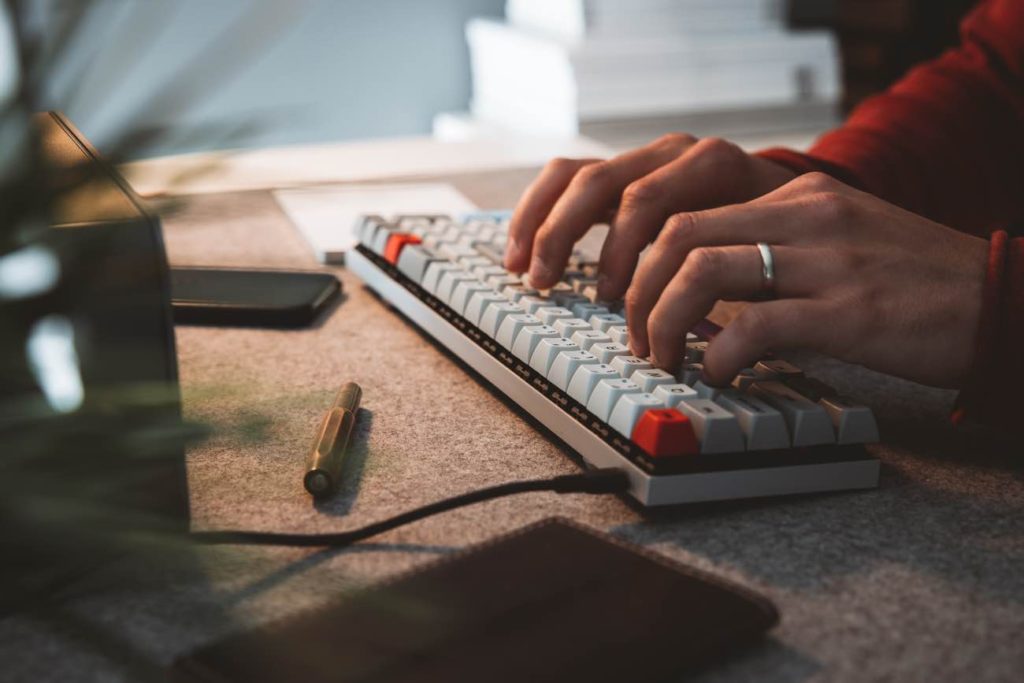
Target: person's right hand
(635,192)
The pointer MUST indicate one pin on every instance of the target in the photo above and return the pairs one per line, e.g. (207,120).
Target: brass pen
(323,474)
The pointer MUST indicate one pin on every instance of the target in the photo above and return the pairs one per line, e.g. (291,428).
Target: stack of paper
(558,65)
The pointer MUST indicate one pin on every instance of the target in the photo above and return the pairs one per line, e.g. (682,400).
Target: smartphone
(250,298)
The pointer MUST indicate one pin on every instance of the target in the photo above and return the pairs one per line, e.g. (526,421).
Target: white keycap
(764,427)
(586,310)
(619,334)
(482,273)
(532,304)
(434,241)
(493,316)
(478,302)
(500,282)
(546,352)
(549,314)
(528,338)
(569,326)
(695,351)
(706,390)
(413,262)
(651,378)
(744,378)
(366,227)
(690,373)
(516,292)
(586,378)
(808,422)
(627,365)
(464,291)
(565,366)
(380,239)
(588,337)
(560,289)
(434,272)
(471,263)
(672,394)
(716,428)
(604,321)
(608,351)
(854,423)
(629,409)
(446,285)
(511,326)
(607,393)
(457,250)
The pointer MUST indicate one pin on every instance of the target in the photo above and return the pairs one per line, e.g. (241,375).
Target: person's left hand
(856,278)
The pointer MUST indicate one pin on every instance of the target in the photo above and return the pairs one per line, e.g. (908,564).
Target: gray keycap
(808,423)
(716,428)
(764,427)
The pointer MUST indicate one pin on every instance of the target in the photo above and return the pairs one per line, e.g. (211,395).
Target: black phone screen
(241,297)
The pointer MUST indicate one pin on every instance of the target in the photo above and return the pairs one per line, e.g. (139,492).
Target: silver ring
(768,269)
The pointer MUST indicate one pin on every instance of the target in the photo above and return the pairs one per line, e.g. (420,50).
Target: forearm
(947,141)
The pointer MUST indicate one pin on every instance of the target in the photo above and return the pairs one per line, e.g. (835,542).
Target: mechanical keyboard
(562,356)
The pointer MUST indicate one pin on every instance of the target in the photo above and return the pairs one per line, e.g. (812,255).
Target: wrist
(985,352)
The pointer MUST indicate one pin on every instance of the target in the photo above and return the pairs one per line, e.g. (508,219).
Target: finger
(591,194)
(533,207)
(777,224)
(710,274)
(706,175)
(772,325)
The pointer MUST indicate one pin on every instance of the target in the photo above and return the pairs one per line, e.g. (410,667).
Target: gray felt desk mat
(922,579)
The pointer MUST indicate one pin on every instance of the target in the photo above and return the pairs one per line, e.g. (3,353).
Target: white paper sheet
(326,216)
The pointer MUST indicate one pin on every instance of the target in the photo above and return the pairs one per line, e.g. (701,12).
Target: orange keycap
(665,432)
(396,243)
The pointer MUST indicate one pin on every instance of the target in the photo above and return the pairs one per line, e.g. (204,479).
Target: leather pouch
(553,601)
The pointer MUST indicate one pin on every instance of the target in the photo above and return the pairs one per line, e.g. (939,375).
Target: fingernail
(512,253)
(540,273)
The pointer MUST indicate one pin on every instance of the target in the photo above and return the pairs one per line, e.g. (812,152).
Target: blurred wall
(265,72)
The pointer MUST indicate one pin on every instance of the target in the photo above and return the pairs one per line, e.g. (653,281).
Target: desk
(921,579)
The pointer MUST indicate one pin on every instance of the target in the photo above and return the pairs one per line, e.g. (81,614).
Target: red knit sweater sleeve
(947,142)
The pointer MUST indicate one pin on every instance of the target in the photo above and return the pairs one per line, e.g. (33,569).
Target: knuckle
(852,260)
(676,140)
(719,149)
(702,264)
(680,228)
(815,182)
(561,165)
(597,175)
(643,191)
(832,207)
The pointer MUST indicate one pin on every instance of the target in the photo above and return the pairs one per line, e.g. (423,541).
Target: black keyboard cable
(594,481)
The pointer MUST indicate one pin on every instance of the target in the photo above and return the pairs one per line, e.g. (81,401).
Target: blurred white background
(309,71)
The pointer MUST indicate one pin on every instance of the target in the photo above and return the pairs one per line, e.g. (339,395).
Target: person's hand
(856,278)
(636,192)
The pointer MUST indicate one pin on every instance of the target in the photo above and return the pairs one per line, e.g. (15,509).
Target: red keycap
(664,433)
(396,243)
